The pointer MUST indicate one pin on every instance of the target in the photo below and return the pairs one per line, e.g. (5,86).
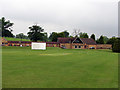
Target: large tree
(6,28)
(61,34)
(101,40)
(54,35)
(92,36)
(83,35)
(35,33)
(111,40)
(66,33)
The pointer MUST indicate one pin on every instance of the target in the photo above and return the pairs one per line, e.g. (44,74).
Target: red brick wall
(104,46)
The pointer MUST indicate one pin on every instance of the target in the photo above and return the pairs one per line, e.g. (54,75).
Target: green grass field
(15,39)
(59,68)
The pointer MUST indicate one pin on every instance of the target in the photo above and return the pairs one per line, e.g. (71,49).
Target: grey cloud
(99,17)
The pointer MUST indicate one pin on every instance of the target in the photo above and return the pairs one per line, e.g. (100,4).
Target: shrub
(116,46)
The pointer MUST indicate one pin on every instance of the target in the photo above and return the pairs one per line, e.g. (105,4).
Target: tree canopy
(92,36)
(6,28)
(105,39)
(100,40)
(54,35)
(83,35)
(111,40)
(35,33)
(66,33)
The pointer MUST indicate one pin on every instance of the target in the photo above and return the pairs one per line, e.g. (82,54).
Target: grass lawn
(59,68)
(15,39)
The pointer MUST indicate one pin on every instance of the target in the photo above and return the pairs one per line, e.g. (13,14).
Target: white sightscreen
(40,46)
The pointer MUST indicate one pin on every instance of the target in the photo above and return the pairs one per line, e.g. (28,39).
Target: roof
(13,41)
(49,42)
(65,40)
(30,42)
(25,41)
(88,41)
(19,41)
(70,40)
(52,43)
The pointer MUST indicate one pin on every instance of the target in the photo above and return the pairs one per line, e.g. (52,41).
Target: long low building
(66,43)
(4,42)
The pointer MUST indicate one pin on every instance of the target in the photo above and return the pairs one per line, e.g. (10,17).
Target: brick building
(67,43)
(4,42)
(77,43)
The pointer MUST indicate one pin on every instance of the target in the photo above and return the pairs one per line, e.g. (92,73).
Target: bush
(116,46)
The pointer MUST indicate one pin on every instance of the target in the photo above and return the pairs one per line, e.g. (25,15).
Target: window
(79,46)
(75,46)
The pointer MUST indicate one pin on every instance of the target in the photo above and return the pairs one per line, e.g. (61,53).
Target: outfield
(59,68)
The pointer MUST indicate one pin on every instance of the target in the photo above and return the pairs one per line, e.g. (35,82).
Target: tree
(61,34)
(97,41)
(54,37)
(101,40)
(105,39)
(21,36)
(116,46)
(83,35)
(76,32)
(71,36)
(66,34)
(111,40)
(50,37)
(6,28)
(45,37)
(35,33)
(92,36)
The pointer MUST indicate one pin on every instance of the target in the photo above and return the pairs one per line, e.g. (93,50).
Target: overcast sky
(91,16)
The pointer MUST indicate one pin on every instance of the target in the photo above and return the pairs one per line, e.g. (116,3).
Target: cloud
(92,16)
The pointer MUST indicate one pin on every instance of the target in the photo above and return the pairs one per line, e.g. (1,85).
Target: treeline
(36,33)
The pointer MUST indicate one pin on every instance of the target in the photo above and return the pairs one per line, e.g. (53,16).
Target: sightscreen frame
(38,46)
